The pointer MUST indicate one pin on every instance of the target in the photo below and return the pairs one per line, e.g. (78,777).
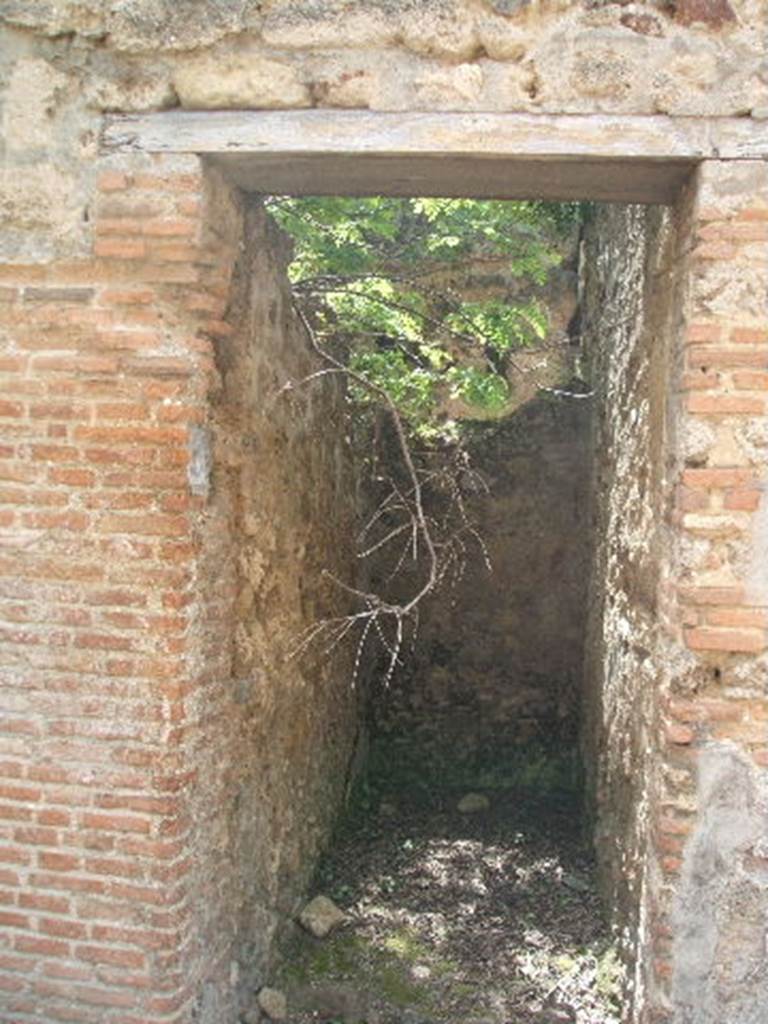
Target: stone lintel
(609,158)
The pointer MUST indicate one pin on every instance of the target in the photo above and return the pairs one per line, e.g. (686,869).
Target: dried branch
(400,514)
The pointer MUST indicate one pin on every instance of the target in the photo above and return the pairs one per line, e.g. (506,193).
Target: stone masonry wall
(628,314)
(499,656)
(63,63)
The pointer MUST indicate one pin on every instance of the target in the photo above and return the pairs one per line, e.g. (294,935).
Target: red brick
(113,181)
(120,248)
(12,919)
(116,822)
(69,883)
(58,861)
(743,500)
(55,520)
(150,525)
(174,252)
(171,183)
(143,938)
(128,296)
(54,453)
(719,250)
(751,618)
(72,477)
(707,638)
(117,435)
(110,955)
(753,213)
(680,734)
(36,836)
(671,865)
(94,996)
(42,901)
(120,597)
(122,411)
(159,366)
(41,946)
(63,928)
(13,812)
(741,732)
(188,205)
(698,380)
(118,226)
(27,794)
(705,478)
(176,228)
(725,405)
(712,595)
(751,380)
(749,335)
(54,816)
(732,358)
(674,825)
(78,364)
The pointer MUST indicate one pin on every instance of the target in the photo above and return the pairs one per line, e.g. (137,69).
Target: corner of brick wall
(106,365)
(714,713)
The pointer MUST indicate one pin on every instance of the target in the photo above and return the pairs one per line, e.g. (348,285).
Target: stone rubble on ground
(273,1002)
(321,916)
(472,803)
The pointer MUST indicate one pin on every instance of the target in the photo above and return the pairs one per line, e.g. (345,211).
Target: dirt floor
(488,916)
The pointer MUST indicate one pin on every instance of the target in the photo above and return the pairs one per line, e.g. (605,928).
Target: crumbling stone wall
(499,658)
(63,63)
(628,311)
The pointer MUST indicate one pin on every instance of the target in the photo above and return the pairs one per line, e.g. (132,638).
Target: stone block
(242,80)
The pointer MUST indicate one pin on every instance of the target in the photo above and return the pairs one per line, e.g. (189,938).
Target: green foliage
(379,280)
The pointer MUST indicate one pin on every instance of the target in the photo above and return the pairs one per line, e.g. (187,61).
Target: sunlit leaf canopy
(374,276)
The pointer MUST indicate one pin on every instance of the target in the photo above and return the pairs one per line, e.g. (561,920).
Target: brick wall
(117,620)
(675,312)
(710,823)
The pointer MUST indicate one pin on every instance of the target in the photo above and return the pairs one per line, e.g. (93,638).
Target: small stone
(451,88)
(576,883)
(714,13)
(471,803)
(509,7)
(246,80)
(273,1002)
(252,1016)
(321,916)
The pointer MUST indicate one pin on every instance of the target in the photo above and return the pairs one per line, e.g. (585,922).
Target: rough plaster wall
(719,910)
(500,655)
(628,291)
(273,737)
(65,62)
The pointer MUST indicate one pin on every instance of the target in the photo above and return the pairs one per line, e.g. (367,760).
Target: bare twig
(400,514)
